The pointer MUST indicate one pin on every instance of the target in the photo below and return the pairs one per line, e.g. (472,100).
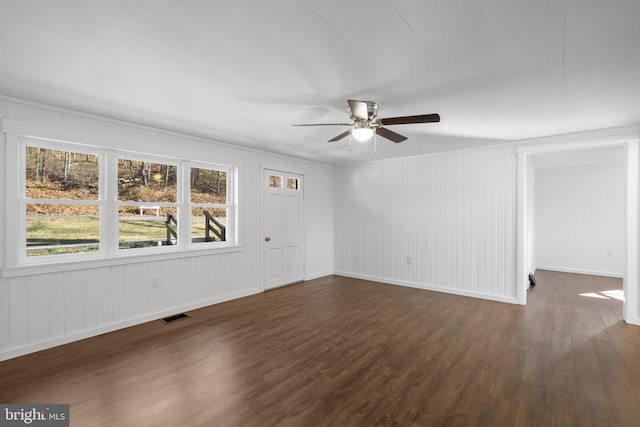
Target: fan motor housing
(372,109)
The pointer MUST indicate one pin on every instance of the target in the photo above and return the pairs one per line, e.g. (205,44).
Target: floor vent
(174,318)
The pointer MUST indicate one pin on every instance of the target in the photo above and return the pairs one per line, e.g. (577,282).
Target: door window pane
(292,183)
(275,181)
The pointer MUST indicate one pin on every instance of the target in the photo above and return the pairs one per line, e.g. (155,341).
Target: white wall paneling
(443,222)
(45,306)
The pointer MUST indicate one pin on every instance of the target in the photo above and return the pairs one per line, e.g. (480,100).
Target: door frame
(631,142)
(261,192)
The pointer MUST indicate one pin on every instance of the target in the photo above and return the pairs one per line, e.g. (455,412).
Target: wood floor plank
(339,352)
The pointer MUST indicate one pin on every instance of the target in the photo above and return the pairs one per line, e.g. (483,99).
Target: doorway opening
(556,167)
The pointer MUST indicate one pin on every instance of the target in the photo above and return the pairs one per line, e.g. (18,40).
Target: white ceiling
(243,71)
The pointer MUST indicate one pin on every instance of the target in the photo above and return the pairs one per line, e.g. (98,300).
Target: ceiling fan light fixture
(366,123)
(362,134)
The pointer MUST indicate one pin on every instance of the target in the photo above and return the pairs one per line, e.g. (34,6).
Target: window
(147,204)
(209,204)
(69,210)
(61,202)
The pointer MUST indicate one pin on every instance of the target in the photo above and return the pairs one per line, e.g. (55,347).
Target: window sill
(55,267)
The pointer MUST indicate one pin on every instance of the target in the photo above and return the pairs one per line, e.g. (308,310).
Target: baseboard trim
(318,275)
(77,336)
(633,321)
(461,292)
(580,271)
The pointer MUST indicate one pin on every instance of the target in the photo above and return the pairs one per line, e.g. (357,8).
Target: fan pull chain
(375,141)
(349,141)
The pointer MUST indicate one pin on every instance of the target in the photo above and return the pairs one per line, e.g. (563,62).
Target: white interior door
(283,229)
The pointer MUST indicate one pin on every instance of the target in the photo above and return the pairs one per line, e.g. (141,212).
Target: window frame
(23,200)
(117,203)
(109,203)
(230,205)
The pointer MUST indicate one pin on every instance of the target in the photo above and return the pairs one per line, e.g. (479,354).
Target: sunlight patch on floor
(617,294)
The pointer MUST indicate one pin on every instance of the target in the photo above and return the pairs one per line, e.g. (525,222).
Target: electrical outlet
(610,254)
(155,282)
(409,260)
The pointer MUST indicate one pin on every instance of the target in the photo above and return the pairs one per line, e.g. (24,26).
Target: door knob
(267,239)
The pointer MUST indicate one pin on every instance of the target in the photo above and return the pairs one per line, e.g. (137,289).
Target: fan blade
(358,109)
(424,118)
(389,134)
(339,137)
(325,124)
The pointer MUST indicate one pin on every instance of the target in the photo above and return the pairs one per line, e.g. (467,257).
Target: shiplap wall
(40,310)
(454,215)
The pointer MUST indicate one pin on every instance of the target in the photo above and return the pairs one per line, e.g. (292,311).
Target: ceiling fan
(366,122)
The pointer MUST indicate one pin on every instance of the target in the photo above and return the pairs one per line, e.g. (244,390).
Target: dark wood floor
(342,352)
